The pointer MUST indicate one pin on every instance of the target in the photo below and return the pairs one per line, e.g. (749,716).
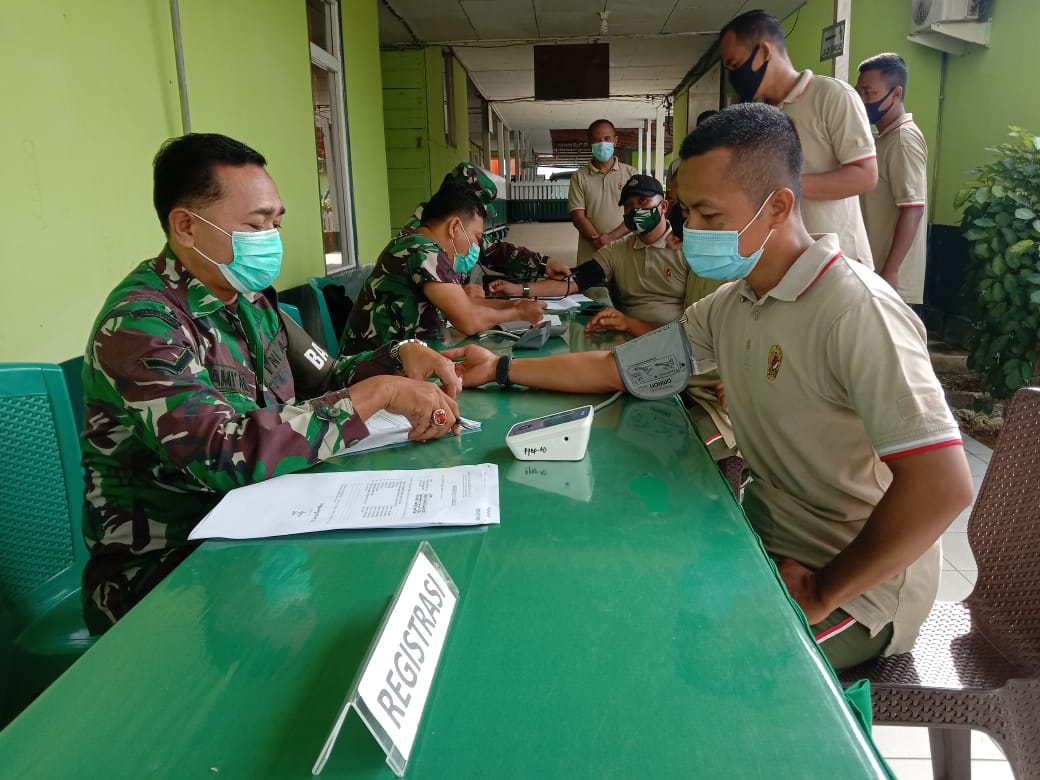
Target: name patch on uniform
(274,359)
(228,379)
(165,316)
(913,405)
(776,359)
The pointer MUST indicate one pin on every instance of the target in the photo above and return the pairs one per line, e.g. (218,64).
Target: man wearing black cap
(647,278)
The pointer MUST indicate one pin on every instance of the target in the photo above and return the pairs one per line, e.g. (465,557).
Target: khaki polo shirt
(647,281)
(598,193)
(902,184)
(827,376)
(832,125)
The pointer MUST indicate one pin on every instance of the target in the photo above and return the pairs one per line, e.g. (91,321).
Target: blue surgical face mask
(715,254)
(257,258)
(603,150)
(464,263)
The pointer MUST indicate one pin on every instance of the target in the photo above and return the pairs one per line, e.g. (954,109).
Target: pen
(469,425)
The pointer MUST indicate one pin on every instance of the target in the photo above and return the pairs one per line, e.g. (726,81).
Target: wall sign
(832,41)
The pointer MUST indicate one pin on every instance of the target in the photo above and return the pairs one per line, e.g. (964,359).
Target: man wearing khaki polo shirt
(593,196)
(894,212)
(856,460)
(837,145)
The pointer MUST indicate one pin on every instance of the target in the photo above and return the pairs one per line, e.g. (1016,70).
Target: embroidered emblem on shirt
(776,357)
(228,379)
(667,272)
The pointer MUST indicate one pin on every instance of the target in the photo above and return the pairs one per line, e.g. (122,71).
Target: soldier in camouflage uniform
(500,257)
(421,272)
(193,381)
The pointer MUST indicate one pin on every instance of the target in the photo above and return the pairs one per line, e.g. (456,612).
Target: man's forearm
(844,182)
(927,493)
(584,226)
(618,232)
(902,237)
(578,372)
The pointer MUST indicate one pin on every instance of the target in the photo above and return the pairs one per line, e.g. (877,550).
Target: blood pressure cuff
(310,363)
(589,274)
(657,364)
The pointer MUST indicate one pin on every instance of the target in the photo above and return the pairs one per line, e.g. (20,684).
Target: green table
(630,628)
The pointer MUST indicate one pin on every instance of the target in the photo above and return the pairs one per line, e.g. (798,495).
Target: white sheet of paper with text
(304,503)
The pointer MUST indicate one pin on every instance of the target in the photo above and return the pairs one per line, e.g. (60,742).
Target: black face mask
(676,220)
(747,81)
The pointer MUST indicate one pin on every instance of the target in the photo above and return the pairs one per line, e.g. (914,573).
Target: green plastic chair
(42,552)
(292,311)
(318,321)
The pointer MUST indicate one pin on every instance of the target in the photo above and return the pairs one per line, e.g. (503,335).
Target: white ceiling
(653,45)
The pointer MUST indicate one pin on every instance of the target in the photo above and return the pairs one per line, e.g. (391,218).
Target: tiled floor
(906,749)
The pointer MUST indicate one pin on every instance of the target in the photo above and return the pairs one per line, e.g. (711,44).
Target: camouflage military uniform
(185,399)
(500,257)
(392,305)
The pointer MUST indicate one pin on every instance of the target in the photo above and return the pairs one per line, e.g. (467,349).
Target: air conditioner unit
(949,25)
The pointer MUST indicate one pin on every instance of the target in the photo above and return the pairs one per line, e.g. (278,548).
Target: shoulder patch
(165,316)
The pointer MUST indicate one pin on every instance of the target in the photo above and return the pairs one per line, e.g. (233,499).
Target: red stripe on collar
(821,273)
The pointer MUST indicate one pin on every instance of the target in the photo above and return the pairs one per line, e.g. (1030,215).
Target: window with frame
(330,135)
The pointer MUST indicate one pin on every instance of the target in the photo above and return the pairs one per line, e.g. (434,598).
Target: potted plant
(1001,223)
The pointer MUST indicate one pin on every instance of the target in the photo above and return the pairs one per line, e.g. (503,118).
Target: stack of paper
(304,503)
(386,429)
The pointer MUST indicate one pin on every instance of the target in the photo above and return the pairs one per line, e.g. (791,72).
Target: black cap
(643,186)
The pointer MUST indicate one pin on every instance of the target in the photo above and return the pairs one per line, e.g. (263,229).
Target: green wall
(363,79)
(987,89)
(86,104)
(85,114)
(417,152)
(803,34)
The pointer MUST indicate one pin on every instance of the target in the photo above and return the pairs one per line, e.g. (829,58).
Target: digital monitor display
(550,420)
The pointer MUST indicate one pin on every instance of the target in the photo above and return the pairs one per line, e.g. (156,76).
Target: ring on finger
(439,417)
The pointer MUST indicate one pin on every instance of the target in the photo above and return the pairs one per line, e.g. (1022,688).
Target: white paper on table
(552,319)
(566,303)
(304,503)
(385,429)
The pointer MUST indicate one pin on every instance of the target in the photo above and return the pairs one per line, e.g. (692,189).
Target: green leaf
(974,234)
(982,195)
(1003,219)
(983,405)
(1036,224)
(997,191)
(1020,247)
(1033,278)
(999,266)
(1035,297)
(1010,237)
(1024,213)
(985,222)
(1010,284)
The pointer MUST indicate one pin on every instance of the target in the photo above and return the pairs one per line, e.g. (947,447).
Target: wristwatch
(502,371)
(527,291)
(395,351)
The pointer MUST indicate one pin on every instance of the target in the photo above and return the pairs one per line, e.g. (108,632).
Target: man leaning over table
(195,385)
(856,460)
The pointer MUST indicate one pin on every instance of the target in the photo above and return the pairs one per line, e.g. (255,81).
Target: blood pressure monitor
(558,436)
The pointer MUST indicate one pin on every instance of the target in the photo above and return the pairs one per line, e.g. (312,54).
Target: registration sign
(391,688)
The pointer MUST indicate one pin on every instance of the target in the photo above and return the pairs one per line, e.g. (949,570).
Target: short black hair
(766,153)
(704,115)
(602,122)
(183,170)
(452,200)
(892,66)
(755,26)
